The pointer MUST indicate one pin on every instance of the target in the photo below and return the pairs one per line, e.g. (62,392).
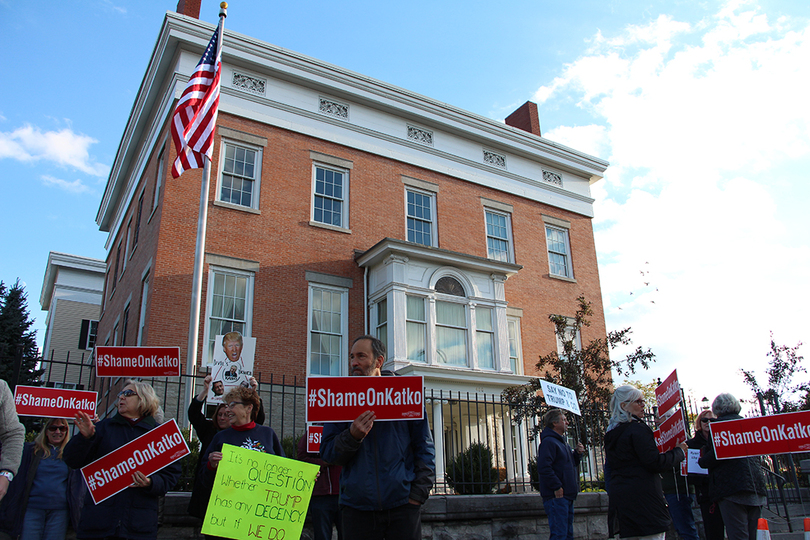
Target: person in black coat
(206,429)
(557,475)
(636,505)
(712,519)
(41,499)
(736,485)
(132,513)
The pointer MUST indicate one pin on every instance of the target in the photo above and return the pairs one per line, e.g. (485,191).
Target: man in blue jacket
(388,467)
(556,468)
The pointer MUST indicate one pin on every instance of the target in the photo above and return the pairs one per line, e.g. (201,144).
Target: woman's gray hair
(623,394)
(148,402)
(725,403)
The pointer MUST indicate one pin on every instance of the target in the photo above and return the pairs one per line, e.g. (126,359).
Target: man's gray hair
(377,346)
(725,403)
(623,394)
(552,417)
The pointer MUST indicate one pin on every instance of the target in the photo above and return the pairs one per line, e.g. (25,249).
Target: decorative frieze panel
(552,178)
(495,159)
(420,135)
(248,83)
(333,108)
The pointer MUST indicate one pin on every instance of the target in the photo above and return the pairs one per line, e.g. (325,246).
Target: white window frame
(161,170)
(257,170)
(510,252)
(344,199)
(144,299)
(514,322)
(379,327)
(433,221)
(492,333)
(209,302)
(424,324)
(344,324)
(568,262)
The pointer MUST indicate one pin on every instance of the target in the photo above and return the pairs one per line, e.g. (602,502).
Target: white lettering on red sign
(53,402)
(342,399)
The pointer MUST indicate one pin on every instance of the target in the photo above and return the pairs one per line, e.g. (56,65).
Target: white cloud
(77,186)
(695,118)
(64,147)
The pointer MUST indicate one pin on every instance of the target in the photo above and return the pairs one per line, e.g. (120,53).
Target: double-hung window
(451,333)
(241,172)
(87,334)
(416,328)
(328,329)
(421,217)
(499,236)
(515,354)
(485,337)
(330,197)
(559,248)
(229,306)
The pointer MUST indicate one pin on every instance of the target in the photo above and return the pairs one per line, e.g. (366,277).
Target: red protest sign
(54,402)
(137,361)
(668,393)
(776,434)
(671,433)
(314,434)
(342,399)
(152,451)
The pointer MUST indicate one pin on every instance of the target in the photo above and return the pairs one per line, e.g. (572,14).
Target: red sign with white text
(314,435)
(149,453)
(342,399)
(671,433)
(54,402)
(776,434)
(668,393)
(137,361)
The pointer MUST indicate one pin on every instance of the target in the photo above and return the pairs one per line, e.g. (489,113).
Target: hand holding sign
(362,425)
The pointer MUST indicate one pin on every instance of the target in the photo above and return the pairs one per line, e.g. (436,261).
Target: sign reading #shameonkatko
(149,453)
(137,361)
(775,434)
(342,399)
(53,402)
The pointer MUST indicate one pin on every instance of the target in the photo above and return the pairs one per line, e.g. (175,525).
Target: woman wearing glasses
(637,508)
(132,513)
(38,504)
(712,520)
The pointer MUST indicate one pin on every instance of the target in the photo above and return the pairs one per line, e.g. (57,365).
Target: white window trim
(254,203)
(344,325)
(161,170)
(434,229)
(510,250)
(209,295)
(344,215)
(142,315)
(518,344)
(568,259)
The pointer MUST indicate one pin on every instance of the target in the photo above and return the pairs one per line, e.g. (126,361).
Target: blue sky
(700,107)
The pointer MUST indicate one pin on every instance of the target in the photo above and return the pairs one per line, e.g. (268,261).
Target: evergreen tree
(15,330)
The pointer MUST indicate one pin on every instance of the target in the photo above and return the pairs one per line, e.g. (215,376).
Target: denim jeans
(680,509)
(400,523)
(560,518)
(44,524)
(324,511)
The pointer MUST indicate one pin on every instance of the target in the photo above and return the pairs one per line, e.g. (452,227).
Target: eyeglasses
(58,428)
(639,402)
(705,420)
(126,393)
(233,404)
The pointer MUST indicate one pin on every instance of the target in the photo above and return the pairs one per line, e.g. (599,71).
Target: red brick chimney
(190,8)
(525,118)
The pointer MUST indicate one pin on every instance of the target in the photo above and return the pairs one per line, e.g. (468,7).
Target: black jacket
(731,476)
(636,499)
(556,466)
(700,481)
(132,513)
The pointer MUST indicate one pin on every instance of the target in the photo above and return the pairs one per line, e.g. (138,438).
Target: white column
(438,438)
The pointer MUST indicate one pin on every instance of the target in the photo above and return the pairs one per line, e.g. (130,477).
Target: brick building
(341,205)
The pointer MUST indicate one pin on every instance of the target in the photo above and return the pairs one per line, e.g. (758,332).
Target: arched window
(450,285)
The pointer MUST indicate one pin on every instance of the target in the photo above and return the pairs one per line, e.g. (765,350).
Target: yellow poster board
(258,495)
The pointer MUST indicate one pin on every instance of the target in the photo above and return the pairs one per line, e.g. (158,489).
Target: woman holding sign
(44,493)
(636,501)
(132,513)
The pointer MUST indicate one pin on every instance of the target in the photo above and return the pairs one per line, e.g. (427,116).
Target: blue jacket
(394,463)
(132,513)
(556,466)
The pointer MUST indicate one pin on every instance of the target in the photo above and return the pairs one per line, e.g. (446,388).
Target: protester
(386,478)
(45,493)
(206,429)
(12,435)
(737,485)
(324,510)
(712,519)
(679,502)
(557,474)
(636,506)
(132,513)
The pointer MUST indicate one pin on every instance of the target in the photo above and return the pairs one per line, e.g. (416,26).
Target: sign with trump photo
(232,365)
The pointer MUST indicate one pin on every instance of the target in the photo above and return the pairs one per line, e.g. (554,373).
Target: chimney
(190,8)
(525,118)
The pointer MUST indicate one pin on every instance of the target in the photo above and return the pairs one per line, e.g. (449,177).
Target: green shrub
(533,476)
(471,471)
(189,463)
(290,445)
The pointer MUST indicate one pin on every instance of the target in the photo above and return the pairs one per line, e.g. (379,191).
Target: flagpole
(199,254)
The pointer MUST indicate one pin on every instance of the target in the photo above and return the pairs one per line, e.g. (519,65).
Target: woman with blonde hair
(38,503)
(132,513)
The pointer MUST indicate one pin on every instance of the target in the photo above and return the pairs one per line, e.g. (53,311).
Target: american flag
(195,117)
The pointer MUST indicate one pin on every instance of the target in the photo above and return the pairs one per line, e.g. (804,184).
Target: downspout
(365,301)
